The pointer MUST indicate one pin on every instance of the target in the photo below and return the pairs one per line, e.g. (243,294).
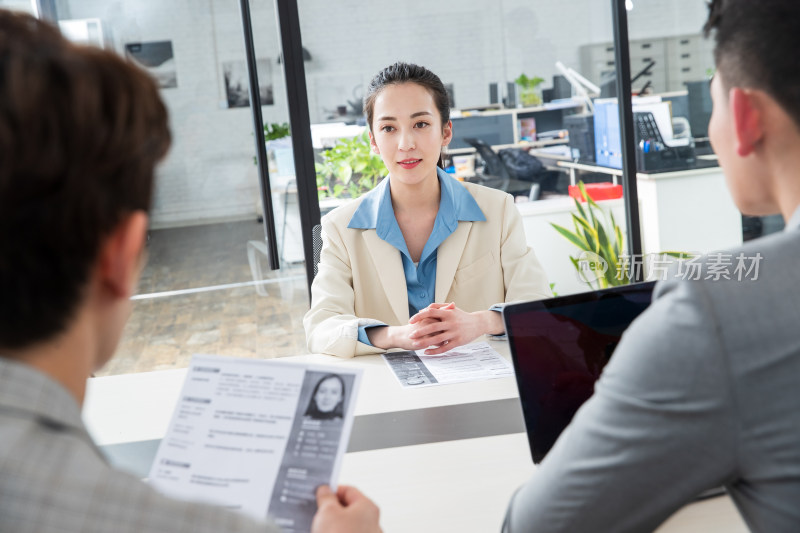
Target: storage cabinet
(678,60)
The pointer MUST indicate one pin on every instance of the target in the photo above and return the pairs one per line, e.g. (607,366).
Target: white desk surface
(465,486)
(136,407)
(462,485)
(645,175)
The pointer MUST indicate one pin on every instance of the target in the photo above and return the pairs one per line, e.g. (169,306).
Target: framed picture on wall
(236,83)
(157,58)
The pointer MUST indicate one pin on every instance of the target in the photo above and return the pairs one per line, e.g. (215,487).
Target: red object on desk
(597,191)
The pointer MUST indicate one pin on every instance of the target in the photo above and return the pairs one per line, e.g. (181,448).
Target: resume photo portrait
(327,400)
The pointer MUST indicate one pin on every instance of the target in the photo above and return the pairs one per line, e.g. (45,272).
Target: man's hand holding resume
(258,436)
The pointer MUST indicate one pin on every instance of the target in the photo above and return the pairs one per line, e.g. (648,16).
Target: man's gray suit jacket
(703,390)
(53,479)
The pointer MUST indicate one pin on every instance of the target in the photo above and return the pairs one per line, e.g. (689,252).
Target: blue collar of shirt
(456,204)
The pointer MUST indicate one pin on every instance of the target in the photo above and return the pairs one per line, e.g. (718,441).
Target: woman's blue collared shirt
(376,212)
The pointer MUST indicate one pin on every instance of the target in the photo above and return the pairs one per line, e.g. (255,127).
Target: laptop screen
(559,347)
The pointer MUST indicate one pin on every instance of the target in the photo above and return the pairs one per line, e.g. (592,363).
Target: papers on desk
(472,362)
(562,103)
(561,150)
(257,436)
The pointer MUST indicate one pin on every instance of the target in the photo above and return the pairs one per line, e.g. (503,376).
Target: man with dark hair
(81,131)
(702,390)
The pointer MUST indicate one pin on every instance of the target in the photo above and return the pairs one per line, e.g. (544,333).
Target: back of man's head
(756,42)
(81,131)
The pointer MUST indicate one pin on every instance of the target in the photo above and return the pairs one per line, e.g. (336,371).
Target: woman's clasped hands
(439,327)
(442,327)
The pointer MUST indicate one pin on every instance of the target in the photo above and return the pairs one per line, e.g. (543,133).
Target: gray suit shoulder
(767,260)
(752,294)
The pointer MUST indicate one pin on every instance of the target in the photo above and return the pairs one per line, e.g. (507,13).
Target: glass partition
(533,91)
(519,75)
(207,286)
(684,203)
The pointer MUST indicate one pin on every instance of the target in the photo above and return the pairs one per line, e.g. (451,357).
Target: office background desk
(501,126)
(687,210)
(445,458)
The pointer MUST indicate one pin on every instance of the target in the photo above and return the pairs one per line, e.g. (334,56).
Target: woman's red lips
(409,163)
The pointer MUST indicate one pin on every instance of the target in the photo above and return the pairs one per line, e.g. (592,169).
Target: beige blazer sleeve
(524,277)
(331,324)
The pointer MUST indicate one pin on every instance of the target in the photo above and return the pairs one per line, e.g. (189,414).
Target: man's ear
(372,143)
(747,120)
(447,133)
(121,255)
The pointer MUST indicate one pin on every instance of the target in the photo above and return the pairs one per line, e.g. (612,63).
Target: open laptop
(559,347)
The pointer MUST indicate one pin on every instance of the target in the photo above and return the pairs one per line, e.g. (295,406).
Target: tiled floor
(165,330)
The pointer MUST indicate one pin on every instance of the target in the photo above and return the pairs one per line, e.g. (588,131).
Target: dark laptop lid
(559,347)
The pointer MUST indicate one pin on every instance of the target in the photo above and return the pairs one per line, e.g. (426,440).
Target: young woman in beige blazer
(422,260)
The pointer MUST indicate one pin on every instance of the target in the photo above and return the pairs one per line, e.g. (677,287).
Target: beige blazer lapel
(448,258)
(389,266)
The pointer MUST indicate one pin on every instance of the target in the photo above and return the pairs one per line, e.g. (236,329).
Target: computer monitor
(493,129)
(699,106)
(607,134)
(562,88)
(581,136)
(494,93)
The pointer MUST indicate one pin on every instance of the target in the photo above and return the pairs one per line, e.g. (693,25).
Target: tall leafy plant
(602,261)
(599,239)
(349,169)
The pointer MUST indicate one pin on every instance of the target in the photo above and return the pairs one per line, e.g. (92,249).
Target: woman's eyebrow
(413,115)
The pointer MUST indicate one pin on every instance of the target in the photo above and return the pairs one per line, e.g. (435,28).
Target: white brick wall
(660,18)
(209,174)
(18,5)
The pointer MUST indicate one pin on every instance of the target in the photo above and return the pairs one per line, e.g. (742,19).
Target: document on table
(257,436)
(471,362)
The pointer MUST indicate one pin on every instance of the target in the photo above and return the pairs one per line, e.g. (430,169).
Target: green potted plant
(274,131)
(529,93)
(601,262)
(280,157)
(599,239)
(349,169)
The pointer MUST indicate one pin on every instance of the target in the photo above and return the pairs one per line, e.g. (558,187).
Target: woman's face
(328,395)
(407,132)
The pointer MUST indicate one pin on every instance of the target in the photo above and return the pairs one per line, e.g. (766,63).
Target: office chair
(494,165)
(496,174)
(316,243)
